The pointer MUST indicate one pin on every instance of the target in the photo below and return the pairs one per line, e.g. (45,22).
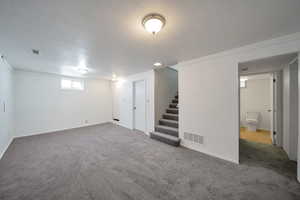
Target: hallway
(267,156)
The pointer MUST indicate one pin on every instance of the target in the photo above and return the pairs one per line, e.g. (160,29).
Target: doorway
(269,121)
(139,105)
(256,108)
(291,111)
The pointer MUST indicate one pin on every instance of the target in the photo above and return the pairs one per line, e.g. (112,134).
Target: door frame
(273,102)
(281,111)
(278,108)
(273,108)
(133,104)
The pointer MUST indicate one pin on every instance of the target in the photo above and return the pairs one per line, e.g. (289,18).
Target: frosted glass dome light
(153,23)
(157,64)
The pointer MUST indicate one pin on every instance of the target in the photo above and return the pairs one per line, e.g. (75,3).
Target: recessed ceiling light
(35,51)
(157,64)
(153,23)
(114,77)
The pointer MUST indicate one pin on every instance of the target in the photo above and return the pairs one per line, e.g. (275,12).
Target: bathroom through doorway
(256,108)
(268,105)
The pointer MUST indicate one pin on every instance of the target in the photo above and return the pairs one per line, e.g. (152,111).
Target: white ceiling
(266,65)
(108,37)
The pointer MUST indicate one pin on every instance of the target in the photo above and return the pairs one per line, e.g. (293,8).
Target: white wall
(278,123)
(209,95)
(298,160)
(256,97)
(286,109)
(166,86)
(208,106)
(294,101)
(290,110)
(41,105)
(6,97)
(123,100)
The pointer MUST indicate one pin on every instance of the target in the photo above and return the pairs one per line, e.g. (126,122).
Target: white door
(298,145)
(273,109)
(139,111)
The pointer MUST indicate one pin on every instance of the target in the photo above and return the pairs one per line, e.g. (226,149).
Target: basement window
(243,83)
(71,84)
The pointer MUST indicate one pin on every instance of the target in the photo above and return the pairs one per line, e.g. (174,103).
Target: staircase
(167,130)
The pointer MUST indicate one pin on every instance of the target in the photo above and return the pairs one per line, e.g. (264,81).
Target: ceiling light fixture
(153,23)
(157,64)
(114,77)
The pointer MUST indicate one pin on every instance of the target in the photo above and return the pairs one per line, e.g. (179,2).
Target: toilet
(252,120)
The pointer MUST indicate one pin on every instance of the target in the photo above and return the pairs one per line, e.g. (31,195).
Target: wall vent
(244,69)
(193,138)
(35,51)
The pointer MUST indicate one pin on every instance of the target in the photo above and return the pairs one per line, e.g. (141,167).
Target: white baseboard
(62,129)
(123,125)
(192,147)
(147,133)
(120,124)
(6,147)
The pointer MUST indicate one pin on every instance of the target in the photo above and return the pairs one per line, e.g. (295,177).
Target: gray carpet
(111,162)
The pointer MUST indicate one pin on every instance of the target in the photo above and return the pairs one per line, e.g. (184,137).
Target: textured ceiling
(107,36)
